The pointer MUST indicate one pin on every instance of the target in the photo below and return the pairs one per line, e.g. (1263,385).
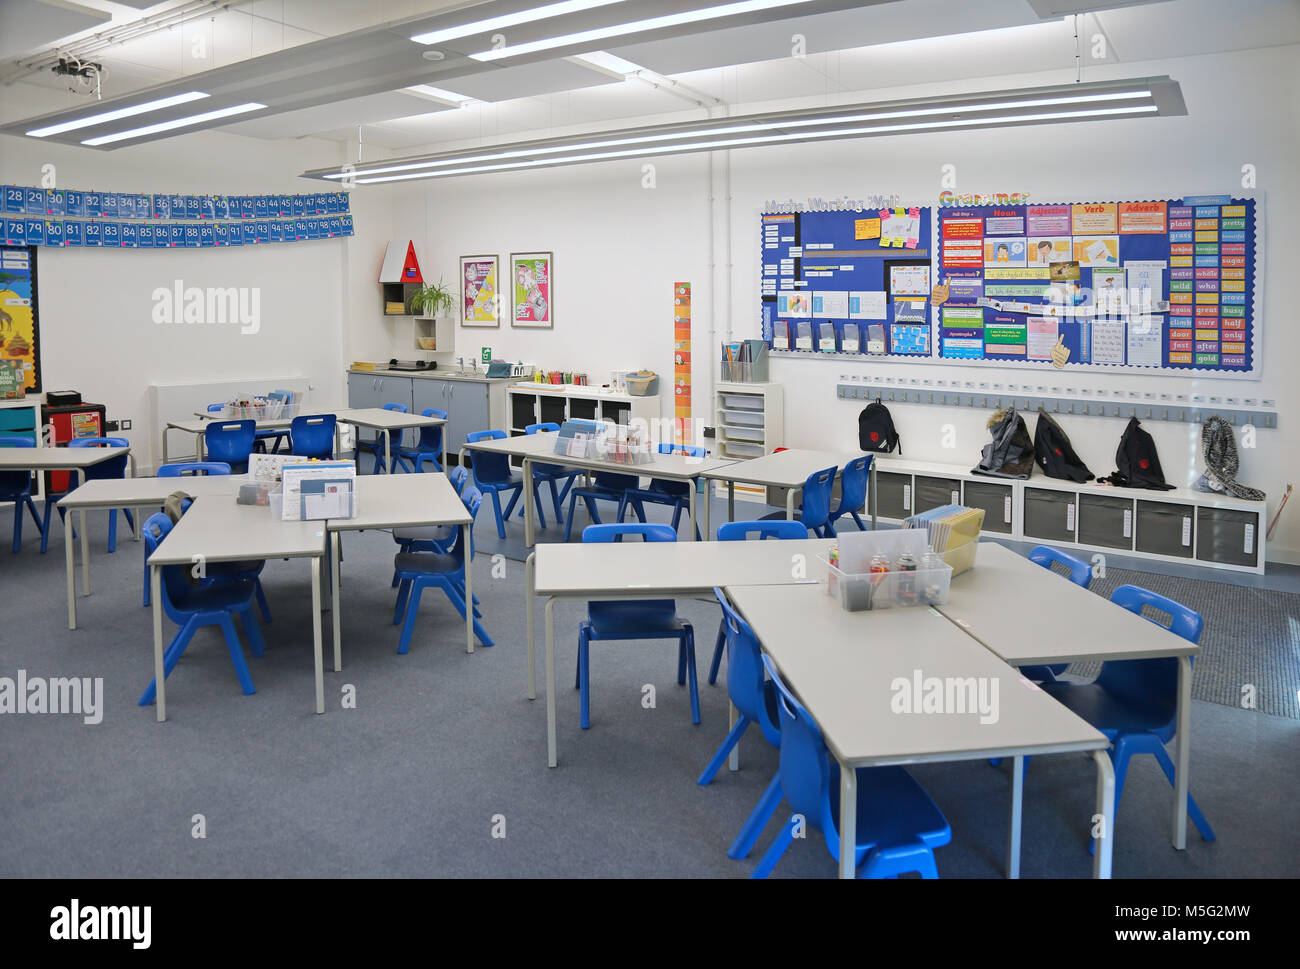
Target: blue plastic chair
(1080,573)
(815,509)
(191,607)
(16,486)
(428,447)
(853,492)
(604,486)
(898,825)
(111,469)
(432,538)
(662,491)
(312,436)
(634,619)
(182,468)
(560,478)
(1135,702)
(230,442)
(375,445)
(739,532)
(417,571)
(754,697)
(493,475)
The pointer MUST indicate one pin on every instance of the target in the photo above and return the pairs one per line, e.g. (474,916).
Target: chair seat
(1110,714)
(515,479)
(411,451)
(429,563)
(556,470)
(220,596)
(424,533)
(893,810)
(634,619)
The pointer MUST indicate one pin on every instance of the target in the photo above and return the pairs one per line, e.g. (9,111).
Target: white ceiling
(886,46)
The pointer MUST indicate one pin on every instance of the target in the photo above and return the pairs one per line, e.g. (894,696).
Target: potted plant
(432,300)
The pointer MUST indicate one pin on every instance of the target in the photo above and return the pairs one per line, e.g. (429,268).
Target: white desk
(1030,616)
(74,460)
(540,447)
(843,666)
(787,469)
(142,494)
(217,529)
(649,570)
(384,421)
(402,501)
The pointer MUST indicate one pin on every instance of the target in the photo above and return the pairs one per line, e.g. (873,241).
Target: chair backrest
(745,680)
(173,584)
(543,426)
(768,528)
(472,498)
(853,485)
(458,476)
(431,437)
(690,450)
(230,441)
(113,467)
(1151,684)
(213,408)
(16,481)
(611,481)
(1080,571)
(816,507)
(393,405)
(650,532)
(313,436)
(805,768)
(488,468)
(181,468)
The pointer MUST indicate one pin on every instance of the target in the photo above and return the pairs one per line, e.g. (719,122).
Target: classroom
(402,537)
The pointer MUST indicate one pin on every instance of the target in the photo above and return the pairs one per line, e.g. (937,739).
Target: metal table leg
(1017,815)
(848,820)
(1105,847)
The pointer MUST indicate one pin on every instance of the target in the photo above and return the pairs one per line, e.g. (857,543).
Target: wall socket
(126,425)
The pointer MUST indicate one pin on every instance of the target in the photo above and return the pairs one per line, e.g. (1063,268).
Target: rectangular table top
(1029,615)
(785,469)
(865,677)
(541,447)
(117,492)
(673,568)
(218,529)
(381,419)
(404,500)
(57,458)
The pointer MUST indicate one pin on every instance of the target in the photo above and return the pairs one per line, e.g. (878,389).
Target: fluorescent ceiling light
(511,20)
(106,116)
(175,123)
(743,128)
(605,61)
(441,94)
(635,26)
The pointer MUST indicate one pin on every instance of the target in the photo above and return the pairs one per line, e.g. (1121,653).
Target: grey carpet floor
(444,750)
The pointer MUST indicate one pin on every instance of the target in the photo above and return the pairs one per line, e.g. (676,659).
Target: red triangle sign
(411,268)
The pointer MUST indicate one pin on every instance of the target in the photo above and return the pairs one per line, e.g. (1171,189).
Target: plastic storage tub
(858,591)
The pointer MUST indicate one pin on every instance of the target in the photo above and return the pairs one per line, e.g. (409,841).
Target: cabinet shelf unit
(748,421)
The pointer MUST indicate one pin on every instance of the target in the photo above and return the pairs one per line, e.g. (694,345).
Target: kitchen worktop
(438,374)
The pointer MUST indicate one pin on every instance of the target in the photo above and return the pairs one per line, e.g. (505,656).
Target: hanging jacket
(1054,453)
(1011,453)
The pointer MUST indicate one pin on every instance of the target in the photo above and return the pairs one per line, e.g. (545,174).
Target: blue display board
(70,217)
(847,281)
(1157,285)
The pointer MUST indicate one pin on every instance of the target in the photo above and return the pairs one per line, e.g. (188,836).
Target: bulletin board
(847,281)
(1152,285)
(20,324)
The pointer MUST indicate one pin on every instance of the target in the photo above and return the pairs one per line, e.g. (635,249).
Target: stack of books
(953,531)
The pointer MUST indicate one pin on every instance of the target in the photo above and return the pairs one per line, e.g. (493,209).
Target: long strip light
(775,139)
(175,123)
(442,94)
(854,117)
(635,26)
(105,116)
(511,20)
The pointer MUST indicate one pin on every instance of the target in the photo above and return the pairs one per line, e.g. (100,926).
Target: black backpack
(1054,453)
(876,429)
(1137,461)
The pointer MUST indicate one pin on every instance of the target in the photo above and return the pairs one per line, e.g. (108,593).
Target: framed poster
(532,279)
(20,343)
(480,295)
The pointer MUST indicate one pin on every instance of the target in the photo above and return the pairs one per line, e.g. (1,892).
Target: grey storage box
(996,500)
(893,495)
(935,493)
(1164,528)
(1106,520)
(1227,537)
(1049,514)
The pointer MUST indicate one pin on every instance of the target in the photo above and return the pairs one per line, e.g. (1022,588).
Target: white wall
(619,248)
(96,325)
